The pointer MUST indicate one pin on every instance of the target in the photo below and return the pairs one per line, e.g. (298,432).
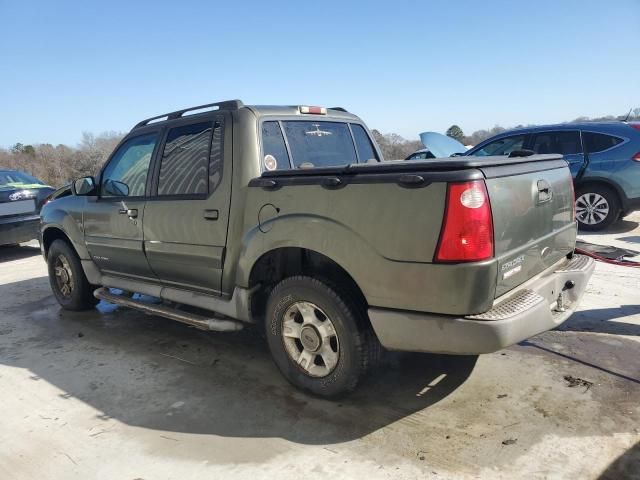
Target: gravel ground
(113,393)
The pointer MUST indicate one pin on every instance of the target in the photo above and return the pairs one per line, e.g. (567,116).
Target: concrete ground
(114,394)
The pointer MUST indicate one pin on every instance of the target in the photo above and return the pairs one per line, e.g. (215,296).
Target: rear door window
(185,160)
(599,142)
(502,146)
(565,142)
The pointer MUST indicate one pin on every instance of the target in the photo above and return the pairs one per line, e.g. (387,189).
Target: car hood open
(440,145)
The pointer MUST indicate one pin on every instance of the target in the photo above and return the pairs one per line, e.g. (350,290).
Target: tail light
(467,226)
(636,157)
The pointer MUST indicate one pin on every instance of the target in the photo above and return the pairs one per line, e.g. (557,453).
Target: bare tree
(58,165)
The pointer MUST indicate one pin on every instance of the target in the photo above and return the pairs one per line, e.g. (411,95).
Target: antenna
(628,115)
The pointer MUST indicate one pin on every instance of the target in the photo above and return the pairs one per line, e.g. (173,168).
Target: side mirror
(84,186)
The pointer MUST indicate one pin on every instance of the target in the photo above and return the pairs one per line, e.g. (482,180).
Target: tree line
(58,165)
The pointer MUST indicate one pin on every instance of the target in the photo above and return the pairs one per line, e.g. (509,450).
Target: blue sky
(404,67)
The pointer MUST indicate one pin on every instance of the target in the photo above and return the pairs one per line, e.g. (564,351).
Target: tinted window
(421,156)
(564,143)
(502,146)
(319,144)
(185,160)
(216,158)
(363,144)
(274,149)
(598,142)
(126,173)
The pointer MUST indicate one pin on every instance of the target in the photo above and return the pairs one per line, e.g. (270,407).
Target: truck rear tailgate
(533,219)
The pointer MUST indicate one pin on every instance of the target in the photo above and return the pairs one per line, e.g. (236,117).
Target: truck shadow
(154,373)
(626,465)
(15,252)
(621,226)
(604,320)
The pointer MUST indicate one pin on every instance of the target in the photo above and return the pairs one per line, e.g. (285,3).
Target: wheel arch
(604,182)
(284,262)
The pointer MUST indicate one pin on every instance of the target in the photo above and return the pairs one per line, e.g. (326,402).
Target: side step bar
(198,321)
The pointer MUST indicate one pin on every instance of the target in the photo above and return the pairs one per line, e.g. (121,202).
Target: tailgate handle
(410,180)
(544,191)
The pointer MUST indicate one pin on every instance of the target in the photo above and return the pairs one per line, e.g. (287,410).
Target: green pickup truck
(288,217)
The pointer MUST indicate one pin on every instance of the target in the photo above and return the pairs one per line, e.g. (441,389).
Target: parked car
(21,197)
(604,159)
(437,146)
(285,217)
(422,154)
(64,191)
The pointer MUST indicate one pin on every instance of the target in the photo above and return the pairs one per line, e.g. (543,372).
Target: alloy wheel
(591,208)
(310,339)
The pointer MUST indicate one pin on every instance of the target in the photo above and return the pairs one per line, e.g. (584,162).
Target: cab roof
(259,110)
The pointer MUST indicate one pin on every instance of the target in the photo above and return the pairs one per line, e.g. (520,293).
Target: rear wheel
(67,279)
(317,336)
(597,207)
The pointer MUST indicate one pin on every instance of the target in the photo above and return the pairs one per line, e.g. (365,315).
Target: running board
(198,321)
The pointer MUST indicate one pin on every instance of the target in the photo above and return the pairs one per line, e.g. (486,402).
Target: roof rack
(226,105)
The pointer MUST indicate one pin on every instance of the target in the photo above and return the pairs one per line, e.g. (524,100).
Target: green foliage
(454,131)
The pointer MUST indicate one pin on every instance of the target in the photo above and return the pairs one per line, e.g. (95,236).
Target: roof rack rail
(226,105)
(340,109)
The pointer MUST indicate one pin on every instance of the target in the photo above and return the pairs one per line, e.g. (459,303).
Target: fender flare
(322,235)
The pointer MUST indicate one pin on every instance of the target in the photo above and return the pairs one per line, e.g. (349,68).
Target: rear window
(314,144)
(599,142)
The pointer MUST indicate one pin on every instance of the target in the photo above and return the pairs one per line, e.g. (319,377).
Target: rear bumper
(516,316)
(17,230)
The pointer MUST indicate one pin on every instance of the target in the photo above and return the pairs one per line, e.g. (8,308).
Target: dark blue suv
(604,159)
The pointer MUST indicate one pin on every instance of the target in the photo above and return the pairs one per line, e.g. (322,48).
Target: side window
(599,142)
(126,173)
(185,160)
(365,149)
(502,146)
(274,148)
(564,143)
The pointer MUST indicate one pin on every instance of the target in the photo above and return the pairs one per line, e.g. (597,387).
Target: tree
(454,131)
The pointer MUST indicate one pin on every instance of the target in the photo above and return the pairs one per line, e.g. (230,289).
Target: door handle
(210,214)
(130,212)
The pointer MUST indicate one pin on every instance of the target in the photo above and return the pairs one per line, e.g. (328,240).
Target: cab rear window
(313,144)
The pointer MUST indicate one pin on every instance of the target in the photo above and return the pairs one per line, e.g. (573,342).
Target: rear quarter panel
(383,235)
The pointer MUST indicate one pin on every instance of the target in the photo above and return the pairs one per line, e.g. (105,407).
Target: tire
(335,356)
(67,279)
(591,218)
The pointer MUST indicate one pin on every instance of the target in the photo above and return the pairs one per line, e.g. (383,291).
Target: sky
(402,66)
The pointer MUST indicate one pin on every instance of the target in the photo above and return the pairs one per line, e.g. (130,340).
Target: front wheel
(317,336)
(67,279)
(597,207)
